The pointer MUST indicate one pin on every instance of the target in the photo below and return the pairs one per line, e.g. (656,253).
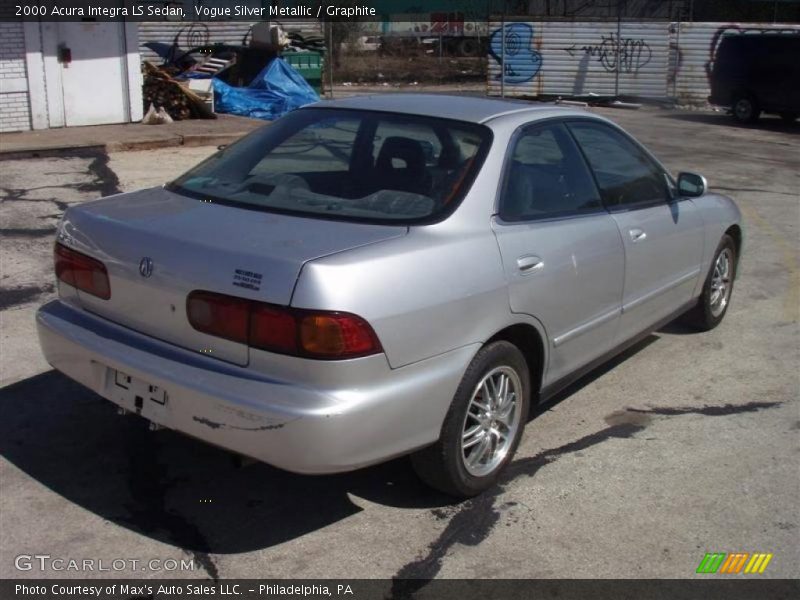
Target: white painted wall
(94,83)
(103,84)
(14,104)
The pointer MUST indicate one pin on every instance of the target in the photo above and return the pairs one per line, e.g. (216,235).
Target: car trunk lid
(159,246)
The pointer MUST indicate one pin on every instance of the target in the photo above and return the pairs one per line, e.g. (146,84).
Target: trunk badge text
(146,267)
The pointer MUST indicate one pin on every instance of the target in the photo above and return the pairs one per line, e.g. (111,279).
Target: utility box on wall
(68,74)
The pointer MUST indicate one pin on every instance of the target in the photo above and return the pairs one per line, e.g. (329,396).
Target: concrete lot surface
(128,136)
(686,444)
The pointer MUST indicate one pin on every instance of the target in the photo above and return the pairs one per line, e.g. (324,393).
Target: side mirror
(692,185)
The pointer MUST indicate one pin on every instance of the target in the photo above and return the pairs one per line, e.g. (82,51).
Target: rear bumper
(294,425)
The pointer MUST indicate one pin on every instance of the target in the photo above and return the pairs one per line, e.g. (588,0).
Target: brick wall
(15,114)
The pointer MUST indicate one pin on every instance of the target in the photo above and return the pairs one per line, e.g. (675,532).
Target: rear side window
(546,177)
(626,176)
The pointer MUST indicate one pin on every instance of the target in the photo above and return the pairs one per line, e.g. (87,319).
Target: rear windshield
(346,164)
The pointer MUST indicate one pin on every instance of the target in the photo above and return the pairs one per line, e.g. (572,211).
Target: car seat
(412,176)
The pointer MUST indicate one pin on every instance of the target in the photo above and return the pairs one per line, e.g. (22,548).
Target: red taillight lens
(222,316)
(298,332)
(82,272)
(273,328)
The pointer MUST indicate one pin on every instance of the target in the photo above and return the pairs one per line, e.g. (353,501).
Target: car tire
(469,47)
(453,464)
(714,300)
(789,117)
(745,108)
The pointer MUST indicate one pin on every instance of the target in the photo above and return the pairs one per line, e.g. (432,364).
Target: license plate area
(135,394)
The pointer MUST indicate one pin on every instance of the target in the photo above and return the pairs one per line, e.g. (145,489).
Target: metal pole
(619,47)
(676,63)
(503,56)
(330,59)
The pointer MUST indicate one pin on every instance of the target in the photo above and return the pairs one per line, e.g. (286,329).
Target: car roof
(445,106)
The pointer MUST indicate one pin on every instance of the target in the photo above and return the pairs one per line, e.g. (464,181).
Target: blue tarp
(275,91)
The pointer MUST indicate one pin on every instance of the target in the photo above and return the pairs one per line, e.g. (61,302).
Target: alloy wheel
(721,283)
(491,422)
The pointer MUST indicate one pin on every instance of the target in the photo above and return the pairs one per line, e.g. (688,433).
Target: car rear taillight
(326,335)
(221,316)
(82,272)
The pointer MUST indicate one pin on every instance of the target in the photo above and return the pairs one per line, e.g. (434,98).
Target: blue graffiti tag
(522,62)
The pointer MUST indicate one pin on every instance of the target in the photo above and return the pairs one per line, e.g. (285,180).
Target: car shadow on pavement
(592,375)
(181,491)
(171,487)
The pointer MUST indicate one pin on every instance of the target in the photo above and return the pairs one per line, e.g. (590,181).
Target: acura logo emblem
(146,267)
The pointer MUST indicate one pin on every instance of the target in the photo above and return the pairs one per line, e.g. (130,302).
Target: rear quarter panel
(425,294)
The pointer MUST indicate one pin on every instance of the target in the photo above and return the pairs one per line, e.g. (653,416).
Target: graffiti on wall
(515,48)
(192,36)
(626,54)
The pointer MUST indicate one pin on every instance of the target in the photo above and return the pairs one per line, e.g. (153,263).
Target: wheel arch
(530,341)
(735,231)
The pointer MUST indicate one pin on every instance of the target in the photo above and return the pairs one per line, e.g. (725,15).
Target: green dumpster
(309,65)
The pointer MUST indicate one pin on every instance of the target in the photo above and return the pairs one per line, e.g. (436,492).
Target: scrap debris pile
(161,90)
(249,80)
(297,42)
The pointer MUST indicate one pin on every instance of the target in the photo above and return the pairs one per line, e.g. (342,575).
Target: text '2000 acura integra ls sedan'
(388,275)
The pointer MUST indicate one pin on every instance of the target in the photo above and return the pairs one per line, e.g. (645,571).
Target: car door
(662,234)
(562,254)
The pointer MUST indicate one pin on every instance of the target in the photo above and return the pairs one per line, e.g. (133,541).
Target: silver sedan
(380,276)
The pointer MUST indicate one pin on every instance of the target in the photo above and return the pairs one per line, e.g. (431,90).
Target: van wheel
(469,47)
(483,426)
(718,287)
(789,117)
(745,108)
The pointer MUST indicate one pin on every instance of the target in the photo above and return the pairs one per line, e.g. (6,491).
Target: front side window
(625,174)
(354,165)
(546,177)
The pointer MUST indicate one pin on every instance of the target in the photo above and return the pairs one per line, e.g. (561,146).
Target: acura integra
(386,275)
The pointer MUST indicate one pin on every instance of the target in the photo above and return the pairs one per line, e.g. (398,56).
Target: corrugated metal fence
(197,33)
(573,58)
(188,35)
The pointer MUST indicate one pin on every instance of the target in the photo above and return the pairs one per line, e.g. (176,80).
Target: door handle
(529,264)
(637,235)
